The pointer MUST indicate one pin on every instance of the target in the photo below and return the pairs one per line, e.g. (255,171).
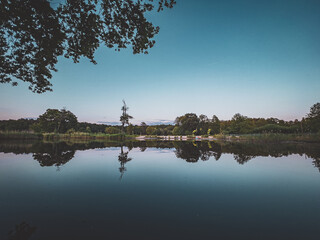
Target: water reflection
(22,231)
(316,163)
(193,151)
(168,190)
(59,153)
(54,155)
(123,159)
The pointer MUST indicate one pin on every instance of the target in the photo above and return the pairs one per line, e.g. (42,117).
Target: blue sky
(258,58)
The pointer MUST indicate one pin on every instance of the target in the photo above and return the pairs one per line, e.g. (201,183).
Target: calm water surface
(159,190)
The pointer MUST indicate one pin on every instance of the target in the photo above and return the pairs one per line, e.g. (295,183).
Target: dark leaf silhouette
(33,34)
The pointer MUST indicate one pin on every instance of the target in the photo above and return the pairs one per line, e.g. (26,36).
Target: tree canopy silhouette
(125,117)
(34,33)
(54,120)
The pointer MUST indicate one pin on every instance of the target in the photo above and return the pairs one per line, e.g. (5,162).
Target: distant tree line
(64,121)
(191,124)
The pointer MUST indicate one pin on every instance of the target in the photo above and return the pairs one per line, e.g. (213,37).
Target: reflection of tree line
(195,151)
(59,153)
(49,153)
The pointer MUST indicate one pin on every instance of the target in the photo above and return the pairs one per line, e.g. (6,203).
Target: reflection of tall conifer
(123,159)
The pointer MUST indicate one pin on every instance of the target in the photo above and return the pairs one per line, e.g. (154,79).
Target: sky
(257,58)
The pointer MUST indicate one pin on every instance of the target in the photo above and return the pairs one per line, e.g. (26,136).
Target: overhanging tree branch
(34,33)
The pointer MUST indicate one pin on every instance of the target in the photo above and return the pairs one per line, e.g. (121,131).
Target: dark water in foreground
(159,190)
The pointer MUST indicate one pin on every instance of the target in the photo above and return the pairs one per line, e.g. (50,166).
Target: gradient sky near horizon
(257,58)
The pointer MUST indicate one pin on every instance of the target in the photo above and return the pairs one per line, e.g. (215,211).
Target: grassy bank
(81,136)
(260,138)
(21,135)
(65,137)
(87,136)
(271,137)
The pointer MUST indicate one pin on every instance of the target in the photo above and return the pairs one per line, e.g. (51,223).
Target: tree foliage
(214,125)
(54,120)
(16,125)
(34,33)
(125,117)
(130,129)
(151,130)
(314,111)
(111,130)
(313,118)
(143,128)
(187,123)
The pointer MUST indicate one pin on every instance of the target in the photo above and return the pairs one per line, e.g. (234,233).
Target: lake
(159,190)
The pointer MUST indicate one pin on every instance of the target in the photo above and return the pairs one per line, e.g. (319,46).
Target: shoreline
(305,138)
(271,137)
